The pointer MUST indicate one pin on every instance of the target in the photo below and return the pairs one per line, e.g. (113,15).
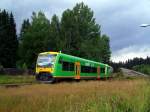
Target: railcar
(51,66)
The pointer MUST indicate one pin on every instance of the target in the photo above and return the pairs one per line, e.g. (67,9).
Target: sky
(119,19)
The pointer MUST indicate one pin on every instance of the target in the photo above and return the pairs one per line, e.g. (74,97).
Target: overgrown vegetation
(131,63)
(7,79)
(90,96)
(142,68)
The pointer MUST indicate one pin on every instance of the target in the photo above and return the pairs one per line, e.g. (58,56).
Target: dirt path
(132,73)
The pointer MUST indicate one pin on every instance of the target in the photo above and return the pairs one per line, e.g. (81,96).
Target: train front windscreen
(46,60)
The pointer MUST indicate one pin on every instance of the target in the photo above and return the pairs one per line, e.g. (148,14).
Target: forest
(137,64)
(75,32)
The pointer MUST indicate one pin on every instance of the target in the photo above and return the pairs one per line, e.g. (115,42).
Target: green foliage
(33,39)
(130,63)
(81,34)
(76,33)
(53,41)
(105,49)
(8,40)
(24,67)
(142,68)
(25,26)
(80,31)
(7,79)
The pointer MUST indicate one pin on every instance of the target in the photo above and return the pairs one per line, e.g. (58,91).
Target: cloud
(130,53)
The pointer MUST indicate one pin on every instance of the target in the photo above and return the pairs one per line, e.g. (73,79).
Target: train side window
(67,66)
(84,69)
(102,70)
(71,66)
(93,70)
(87,69)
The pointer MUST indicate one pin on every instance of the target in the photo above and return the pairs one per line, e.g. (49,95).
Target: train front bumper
(44,74)
(44,70)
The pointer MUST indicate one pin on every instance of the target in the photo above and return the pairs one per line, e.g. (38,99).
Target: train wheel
(45,78)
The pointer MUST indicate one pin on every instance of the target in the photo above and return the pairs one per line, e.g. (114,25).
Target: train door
(98,72)
(106,73)
(77,70)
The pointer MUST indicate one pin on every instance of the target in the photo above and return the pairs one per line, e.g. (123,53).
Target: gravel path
(132,73)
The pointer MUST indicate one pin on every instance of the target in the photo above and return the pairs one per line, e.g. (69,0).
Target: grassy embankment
(8,79)
(85,96)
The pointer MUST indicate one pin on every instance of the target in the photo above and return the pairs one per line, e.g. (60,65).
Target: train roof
(49,52)
(83,59)
(73,57)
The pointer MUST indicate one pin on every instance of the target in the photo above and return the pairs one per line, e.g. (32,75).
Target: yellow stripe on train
(41,69)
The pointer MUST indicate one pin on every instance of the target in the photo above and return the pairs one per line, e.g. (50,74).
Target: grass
(9,79)
(85,96)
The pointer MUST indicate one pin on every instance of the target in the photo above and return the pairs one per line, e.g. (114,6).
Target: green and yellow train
(51,66)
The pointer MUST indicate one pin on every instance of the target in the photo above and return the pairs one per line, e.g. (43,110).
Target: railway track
(126,73)
(15,85)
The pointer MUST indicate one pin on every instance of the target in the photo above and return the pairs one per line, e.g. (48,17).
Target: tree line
(75,33)
(135,64)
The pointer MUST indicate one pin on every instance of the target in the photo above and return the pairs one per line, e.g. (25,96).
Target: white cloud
(130,53)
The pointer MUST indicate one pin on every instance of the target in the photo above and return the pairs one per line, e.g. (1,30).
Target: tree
(69,33)
(77,33)
(25,26)
(78,25)
(82,36)
(34,39)
(8,40)
(54,42)
(13,46)
(105,49)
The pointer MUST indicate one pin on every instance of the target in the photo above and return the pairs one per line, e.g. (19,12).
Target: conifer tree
(8,40)
(24,28)
(13,46)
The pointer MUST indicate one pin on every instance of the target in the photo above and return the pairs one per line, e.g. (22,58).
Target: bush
(142,68)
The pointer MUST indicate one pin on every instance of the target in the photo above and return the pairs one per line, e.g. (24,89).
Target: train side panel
(63,71)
